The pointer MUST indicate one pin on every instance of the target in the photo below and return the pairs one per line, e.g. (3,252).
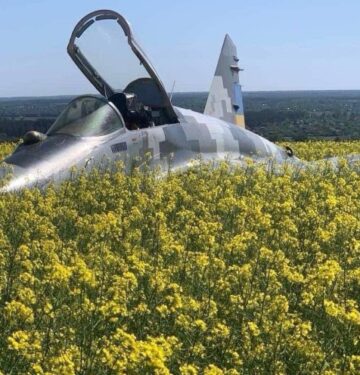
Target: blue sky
(282,44)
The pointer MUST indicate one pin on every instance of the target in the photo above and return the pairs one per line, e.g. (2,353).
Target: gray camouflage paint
(176,145)
(225,97)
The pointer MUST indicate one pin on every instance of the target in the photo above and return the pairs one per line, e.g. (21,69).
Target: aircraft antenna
(172,91)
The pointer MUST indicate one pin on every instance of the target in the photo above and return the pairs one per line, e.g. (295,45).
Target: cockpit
(103,47)
(88,116)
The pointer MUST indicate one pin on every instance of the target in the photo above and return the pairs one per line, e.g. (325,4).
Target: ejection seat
(135,114)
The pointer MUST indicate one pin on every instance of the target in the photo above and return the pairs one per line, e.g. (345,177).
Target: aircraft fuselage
(170,146)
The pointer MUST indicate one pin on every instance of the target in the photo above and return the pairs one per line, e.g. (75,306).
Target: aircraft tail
(225,98)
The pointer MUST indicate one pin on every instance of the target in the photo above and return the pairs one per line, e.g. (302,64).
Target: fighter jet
(133,118)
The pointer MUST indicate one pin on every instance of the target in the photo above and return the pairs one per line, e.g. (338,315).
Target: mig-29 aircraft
(134,116)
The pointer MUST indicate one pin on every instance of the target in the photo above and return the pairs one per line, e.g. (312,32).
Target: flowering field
(209,272)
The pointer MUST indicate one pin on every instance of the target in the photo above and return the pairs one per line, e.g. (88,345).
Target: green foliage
(298,115)
(303,115)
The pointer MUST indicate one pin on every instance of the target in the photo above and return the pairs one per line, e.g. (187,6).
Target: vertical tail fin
(225,98)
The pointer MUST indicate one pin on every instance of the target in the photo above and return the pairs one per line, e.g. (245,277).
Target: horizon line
(184,92)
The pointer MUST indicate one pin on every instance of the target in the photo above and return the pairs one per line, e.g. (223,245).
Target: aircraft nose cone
(8,175)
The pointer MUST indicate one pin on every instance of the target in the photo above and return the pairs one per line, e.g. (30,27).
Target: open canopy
(103,47)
